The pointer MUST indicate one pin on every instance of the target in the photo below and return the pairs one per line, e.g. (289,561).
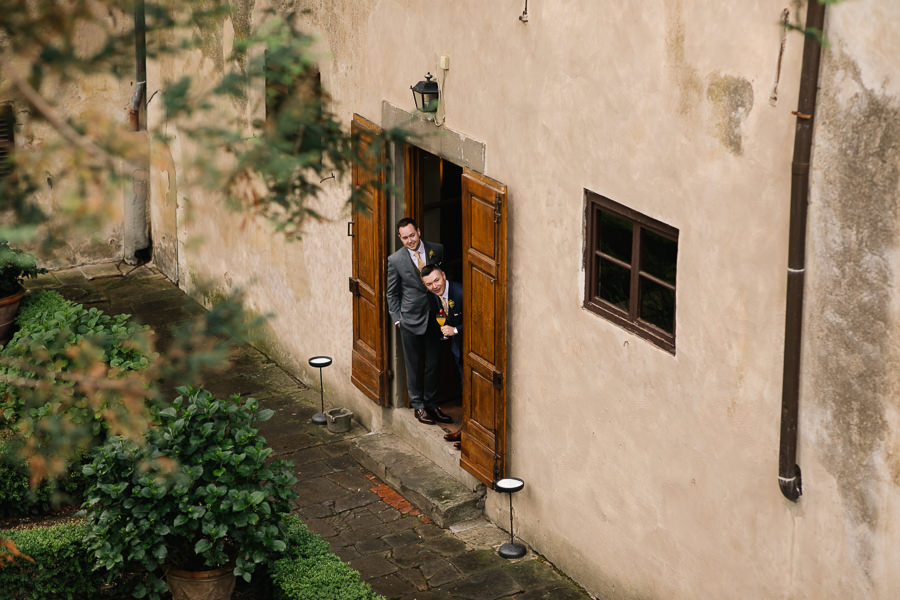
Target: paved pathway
(398,551)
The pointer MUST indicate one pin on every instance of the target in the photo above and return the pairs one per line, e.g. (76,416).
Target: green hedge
(45,319)
(18,498)
(63,567)
(313,572)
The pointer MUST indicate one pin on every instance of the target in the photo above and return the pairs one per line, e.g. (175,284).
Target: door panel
(484,323)
(369,361)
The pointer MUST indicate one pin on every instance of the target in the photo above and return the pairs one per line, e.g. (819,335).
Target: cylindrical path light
(510,485)
(320,362)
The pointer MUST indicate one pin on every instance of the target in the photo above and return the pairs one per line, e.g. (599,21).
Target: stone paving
(397,550)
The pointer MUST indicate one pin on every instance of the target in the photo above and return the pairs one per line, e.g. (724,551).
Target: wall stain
(242,22)
(687,80)
(732,99)
(211,43)
(850,333)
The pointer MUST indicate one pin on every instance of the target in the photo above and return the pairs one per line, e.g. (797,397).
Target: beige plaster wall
(85,219)
(647,475)
(301,286)
(851,391)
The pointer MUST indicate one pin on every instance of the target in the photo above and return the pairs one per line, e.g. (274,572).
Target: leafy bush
(17,497)
(62,567)
(49,370)
(15,266)
(198,493)
(45,317)
(312,572)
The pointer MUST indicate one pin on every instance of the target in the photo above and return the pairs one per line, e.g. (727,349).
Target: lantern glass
(426,94)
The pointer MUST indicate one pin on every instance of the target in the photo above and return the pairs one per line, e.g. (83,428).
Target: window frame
(630,319)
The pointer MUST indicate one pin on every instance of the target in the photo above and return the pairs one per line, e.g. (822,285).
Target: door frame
(444,143)
(470,156)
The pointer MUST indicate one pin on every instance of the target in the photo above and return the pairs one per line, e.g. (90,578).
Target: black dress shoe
(438,415)
(423,416)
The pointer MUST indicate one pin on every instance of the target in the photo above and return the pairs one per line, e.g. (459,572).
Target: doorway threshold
(440,497)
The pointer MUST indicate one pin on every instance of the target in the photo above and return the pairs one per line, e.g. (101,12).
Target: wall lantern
(426,94)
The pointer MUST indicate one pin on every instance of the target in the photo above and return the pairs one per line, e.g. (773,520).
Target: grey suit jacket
(408,299)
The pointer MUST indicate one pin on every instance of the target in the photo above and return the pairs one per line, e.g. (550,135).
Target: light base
(319,419)
(511,550)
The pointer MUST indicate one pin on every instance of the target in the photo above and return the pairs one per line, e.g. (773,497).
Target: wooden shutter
(484,326)
(369,360)
(7,138)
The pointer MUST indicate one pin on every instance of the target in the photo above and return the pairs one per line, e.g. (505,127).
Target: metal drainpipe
(788,470)
(136,227)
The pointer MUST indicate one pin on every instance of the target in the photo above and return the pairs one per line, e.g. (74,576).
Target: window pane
(659,256)
(657,305)
(615,236)
(613,283)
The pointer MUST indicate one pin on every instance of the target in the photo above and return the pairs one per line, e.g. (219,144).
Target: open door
(369,362)
(484,323)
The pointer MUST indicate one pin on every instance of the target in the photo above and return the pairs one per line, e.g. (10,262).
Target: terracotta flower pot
(9,306)
(217,584)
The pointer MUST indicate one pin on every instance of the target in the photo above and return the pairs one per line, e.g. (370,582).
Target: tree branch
(119,165)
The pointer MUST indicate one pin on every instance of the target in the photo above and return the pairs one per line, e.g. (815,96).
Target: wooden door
(369,230)
(484,327)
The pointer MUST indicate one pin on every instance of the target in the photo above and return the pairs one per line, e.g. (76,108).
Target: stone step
(440,497)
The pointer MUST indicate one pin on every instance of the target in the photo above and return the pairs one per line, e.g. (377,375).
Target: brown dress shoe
(457,445)
(438,415)
(423,416)
(453,437)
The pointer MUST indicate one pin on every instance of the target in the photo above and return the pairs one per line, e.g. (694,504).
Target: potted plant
(198,495)
(15,266)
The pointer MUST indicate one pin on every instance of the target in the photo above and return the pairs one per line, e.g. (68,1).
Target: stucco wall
(301,286)
(851,361)
(648,475)
(84,216)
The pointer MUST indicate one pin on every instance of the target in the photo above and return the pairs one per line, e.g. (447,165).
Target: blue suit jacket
(455,318)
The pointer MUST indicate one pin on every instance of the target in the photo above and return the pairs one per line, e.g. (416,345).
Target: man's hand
(448,330)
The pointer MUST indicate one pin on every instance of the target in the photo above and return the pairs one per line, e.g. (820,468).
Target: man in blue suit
(412,312)
(448,298)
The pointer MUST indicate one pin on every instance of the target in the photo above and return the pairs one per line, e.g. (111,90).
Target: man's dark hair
(406,221)
(429,269)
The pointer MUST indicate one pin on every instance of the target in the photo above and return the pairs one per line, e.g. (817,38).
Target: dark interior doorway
(441,196)
(434,187)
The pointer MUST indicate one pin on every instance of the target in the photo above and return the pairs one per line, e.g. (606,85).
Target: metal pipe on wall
(136,229)
(788,471)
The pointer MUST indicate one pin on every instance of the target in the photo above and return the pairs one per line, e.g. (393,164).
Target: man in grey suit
(413,311)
